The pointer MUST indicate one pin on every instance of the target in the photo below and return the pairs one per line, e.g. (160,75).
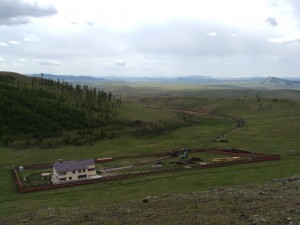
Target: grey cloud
(120,63)
(90,23)
(18,12)
(90,43)
(271,21)
(171,48)
(196,39)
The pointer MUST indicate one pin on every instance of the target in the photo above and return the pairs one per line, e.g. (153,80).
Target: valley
(160,123)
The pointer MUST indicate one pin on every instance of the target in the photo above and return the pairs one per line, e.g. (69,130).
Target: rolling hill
(131,86)
(222,195)
(35,107)
(274,82)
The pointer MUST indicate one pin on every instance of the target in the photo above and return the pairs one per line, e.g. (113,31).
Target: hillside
(275,202)
(37,107)
(274,82)
(161,124)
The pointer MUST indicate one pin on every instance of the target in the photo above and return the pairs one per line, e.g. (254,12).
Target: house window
(82,176)
(91,169)
(79,171)
(83,170)
(74,171)
(70,178)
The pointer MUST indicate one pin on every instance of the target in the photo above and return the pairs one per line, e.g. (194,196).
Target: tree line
(96,104)
(45,108)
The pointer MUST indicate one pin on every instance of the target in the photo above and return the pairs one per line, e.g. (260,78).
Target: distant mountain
(293,78)
(280,83)
(164,79)
(245,82)
(196,79)
(69,78)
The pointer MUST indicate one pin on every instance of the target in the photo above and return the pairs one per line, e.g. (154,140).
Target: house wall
(74,175)
(91,171)
(56,176)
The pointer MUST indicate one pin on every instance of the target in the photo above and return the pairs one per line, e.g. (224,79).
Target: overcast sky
(220,38)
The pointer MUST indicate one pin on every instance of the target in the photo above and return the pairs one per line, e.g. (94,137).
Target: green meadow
(271,126)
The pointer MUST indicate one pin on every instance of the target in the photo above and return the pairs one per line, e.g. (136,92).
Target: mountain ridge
(280,81)
(243,82)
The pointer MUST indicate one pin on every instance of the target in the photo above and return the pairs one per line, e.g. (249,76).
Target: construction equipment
(186,152)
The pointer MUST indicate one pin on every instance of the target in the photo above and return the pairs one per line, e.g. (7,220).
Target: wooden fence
(247,157)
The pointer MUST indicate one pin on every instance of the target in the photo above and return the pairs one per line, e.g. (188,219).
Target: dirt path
(239,121)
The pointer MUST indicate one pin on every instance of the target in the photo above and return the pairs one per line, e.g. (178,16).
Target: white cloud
(232,35)
(286,39)
(2,62)
(212,34)
(30,38)
(120,63)
(14,42)
(3,44)
(106,63)
(22,60)
(48,62)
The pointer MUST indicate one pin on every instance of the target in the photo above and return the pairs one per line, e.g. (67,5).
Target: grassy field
(195,90)
(274,202)
(270,126)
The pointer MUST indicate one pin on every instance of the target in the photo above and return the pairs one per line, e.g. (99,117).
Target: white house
(73,170)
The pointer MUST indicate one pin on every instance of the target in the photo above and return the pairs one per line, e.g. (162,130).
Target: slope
(44,108)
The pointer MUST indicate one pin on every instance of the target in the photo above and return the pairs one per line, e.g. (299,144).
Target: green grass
(274,128)
(226,90)
(32,177)
(134,111)
(119,191)
(206,128)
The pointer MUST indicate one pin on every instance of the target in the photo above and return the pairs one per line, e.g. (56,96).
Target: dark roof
(65,166)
